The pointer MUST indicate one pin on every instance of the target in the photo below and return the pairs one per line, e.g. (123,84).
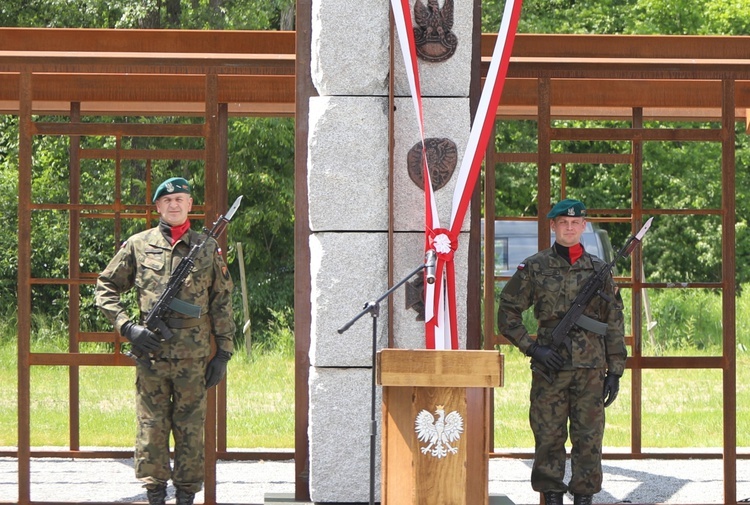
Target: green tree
(261,162)
(183,14)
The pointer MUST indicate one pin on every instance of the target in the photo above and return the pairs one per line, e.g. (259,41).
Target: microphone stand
(373,308)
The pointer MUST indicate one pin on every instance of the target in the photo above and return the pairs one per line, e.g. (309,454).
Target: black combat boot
(157,495)
(582,499)
(183,497)
(553,497)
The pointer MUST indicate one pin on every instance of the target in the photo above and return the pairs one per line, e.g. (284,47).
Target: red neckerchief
(575,252)
(178,231)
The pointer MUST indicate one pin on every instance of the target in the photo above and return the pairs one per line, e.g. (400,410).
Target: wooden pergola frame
(215,75)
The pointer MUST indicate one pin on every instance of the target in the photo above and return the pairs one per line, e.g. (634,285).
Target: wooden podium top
(433,368)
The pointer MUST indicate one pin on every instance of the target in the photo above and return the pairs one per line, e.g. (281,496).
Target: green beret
(172,186)
(568,207)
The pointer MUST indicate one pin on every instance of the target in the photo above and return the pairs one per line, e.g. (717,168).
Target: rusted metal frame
(96,336)
(302,304)
(729,323)
(130,40)
(91,62)
(210,131)
(120,129)
(683,285)
(622,46)
(625,93)
(473,286)
(490,165)
(74,359)
(115,454)
(222,177)
(544,160)
(636,371)
(152,94)
(671,456)
(628,68)
(141,211)
(687,134)
(544,165)
(74,290)
(607,158)
(24,287)
(143,154)
(686,362)
(490,337)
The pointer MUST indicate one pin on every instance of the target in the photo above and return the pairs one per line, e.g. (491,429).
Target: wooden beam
(145,62)
(169,41)
(624,46)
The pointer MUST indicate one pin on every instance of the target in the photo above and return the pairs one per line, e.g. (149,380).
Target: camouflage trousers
(171,399)
(575,395)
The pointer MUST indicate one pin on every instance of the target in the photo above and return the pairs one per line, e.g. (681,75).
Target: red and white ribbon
(441,330)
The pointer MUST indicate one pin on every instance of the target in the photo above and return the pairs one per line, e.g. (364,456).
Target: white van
(517,240)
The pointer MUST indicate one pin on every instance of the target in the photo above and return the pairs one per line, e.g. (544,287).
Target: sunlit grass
(680,408)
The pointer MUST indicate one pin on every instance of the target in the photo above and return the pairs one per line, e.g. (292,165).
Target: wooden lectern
(436,425)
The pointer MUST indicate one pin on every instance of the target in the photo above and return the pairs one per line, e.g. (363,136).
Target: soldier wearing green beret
(171,394)
(586,379)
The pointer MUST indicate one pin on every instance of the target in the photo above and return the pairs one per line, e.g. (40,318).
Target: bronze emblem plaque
(432,30)
(442,157)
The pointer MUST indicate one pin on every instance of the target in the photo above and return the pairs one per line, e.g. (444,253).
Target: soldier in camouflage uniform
(586,380)
(171,394)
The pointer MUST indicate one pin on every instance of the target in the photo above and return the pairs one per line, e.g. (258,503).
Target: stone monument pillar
(350,204)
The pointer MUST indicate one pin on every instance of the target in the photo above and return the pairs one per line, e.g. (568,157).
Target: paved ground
(642,481)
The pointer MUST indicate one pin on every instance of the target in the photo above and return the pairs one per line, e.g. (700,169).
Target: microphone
(430,262)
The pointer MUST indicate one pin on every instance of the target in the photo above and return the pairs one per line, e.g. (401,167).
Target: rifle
(574,316)
(155,318)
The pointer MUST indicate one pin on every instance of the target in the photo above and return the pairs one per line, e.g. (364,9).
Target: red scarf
(178,231)
(575,252)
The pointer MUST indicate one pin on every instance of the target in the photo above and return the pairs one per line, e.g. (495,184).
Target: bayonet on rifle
(593,287)
(155,319)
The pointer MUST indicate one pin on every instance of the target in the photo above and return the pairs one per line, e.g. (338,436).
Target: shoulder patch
(521,266)
(124,243)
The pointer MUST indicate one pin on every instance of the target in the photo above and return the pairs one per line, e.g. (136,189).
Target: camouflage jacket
(145,261)
(549,283)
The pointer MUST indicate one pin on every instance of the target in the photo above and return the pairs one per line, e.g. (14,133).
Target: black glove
(546,355)
(217,368)
(611,388)
(141,337)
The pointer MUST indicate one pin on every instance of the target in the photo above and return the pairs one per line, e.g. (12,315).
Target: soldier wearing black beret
(586,377)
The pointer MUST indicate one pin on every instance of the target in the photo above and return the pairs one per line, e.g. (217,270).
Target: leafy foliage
(262,169)
(215,14)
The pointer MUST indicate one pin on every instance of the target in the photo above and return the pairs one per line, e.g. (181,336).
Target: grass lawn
(681,408)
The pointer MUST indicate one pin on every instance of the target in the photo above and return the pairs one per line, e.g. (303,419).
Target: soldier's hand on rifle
(611,388)
(546,355)
(217,368)
(141,337)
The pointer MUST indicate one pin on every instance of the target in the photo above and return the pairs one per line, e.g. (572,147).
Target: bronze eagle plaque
(432,30)
(442,157)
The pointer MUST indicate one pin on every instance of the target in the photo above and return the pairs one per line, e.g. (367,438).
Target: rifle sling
(583,321)
(185,308)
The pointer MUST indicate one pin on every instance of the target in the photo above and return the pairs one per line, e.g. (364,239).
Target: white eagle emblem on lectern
(440,433)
